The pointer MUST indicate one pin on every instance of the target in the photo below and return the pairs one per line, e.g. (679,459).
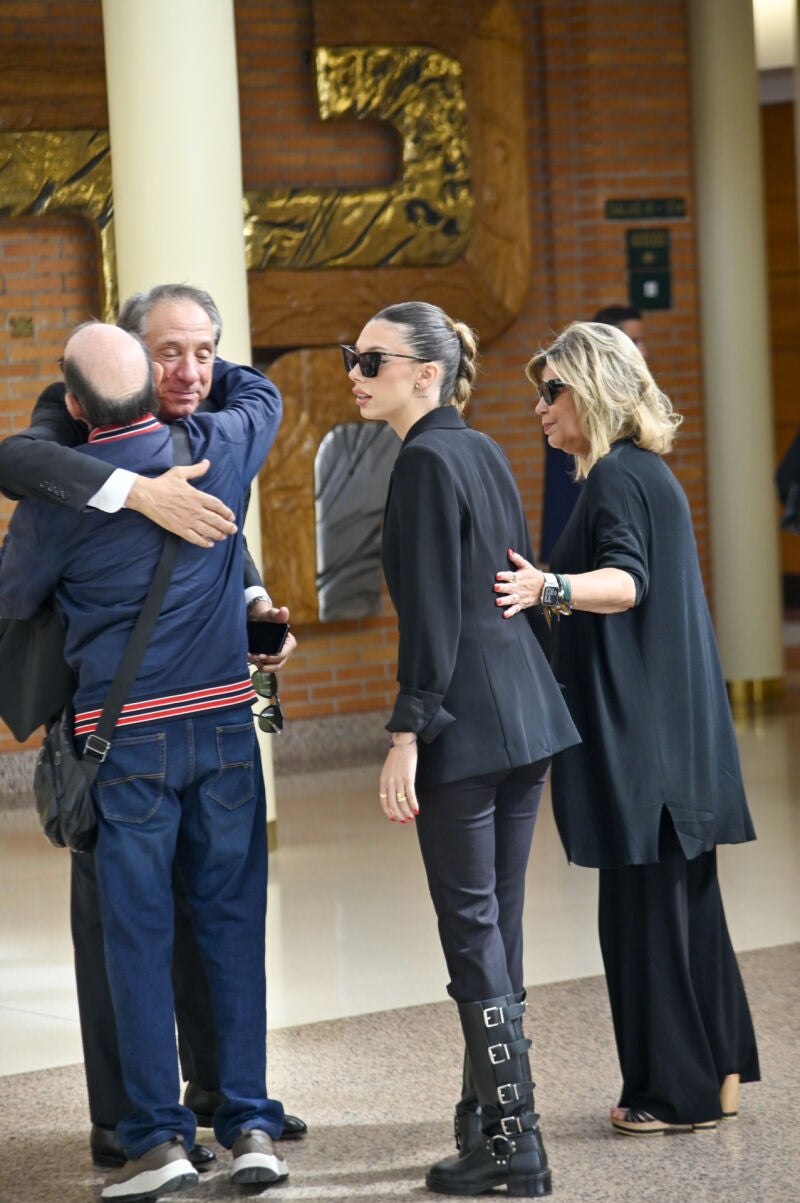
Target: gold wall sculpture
(478,203)
(487,284)
(425,218)
(323,261)
(316,397)
(63,172)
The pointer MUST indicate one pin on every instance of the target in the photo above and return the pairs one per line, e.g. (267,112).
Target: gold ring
(383,795)
(400,797)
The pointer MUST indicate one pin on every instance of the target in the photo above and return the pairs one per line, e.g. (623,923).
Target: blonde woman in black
(655,785)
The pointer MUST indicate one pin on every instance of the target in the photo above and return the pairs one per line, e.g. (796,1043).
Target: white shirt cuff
(114,493)
(254,592)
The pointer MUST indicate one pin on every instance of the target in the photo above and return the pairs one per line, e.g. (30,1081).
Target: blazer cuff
(420,712)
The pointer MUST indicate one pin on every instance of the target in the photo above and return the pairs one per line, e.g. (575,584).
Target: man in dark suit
(181,327)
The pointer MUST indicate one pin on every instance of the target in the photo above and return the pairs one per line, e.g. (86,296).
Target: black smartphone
(266,638)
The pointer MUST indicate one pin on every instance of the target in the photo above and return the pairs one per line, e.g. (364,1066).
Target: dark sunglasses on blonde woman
(549,390)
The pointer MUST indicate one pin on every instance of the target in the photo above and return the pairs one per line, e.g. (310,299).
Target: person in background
(628,319)
(561,489)
(656,784)
(477,717)
(181,325)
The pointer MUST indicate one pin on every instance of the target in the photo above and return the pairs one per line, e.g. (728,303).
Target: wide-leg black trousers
(681,1016)
(197,1040)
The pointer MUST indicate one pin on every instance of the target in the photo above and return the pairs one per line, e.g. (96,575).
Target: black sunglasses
(369,362)
(549,390)
(270,719)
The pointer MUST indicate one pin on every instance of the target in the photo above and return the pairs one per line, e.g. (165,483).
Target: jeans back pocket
(130,784)
(234,783)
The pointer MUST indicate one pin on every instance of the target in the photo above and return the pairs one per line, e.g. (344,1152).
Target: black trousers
(681,1017)
(475,837)
(197,1040)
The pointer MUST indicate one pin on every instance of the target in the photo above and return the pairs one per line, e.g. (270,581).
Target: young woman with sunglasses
(477,717)
(656,783)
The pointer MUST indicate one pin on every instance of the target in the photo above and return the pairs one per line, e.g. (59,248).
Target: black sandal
(633,1122)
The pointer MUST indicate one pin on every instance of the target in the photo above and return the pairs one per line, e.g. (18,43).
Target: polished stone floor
(350,926)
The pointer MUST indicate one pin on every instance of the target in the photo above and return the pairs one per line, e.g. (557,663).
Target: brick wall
(608,116)
(46,286)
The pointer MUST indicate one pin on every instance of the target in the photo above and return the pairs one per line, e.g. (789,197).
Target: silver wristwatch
(552,592)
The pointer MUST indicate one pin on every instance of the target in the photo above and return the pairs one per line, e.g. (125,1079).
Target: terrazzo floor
(377,1091)
(363,1043)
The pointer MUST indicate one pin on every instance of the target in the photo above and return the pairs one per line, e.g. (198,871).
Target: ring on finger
(401,797)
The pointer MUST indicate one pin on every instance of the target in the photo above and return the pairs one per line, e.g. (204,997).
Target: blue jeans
(189,790)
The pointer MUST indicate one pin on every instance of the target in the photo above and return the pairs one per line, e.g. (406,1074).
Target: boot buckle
(502,1149)
(498,1053)
(508,1093)
(488,1022)
(511,1125)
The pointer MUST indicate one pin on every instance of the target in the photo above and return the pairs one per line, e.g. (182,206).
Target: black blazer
(475,687)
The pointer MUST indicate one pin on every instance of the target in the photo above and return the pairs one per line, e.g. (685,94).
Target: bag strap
(98,743)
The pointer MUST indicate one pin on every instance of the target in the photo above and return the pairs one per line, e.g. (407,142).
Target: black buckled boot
(467,1121)
(510,1152)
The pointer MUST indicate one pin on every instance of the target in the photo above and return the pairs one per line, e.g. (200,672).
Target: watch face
(550,595)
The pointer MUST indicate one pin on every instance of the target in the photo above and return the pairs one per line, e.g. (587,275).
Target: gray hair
(134,313)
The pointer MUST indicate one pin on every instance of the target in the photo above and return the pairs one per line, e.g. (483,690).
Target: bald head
(109,373)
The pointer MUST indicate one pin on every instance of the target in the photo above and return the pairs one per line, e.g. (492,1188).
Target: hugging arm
(43,461)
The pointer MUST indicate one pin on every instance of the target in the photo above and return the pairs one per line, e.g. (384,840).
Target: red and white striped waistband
(175,705)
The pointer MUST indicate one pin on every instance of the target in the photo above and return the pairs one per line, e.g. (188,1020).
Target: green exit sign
(649,277)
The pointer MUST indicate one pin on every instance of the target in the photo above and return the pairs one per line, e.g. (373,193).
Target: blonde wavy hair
(614,394)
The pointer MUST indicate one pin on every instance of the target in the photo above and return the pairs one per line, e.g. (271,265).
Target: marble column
(173,100)
(734,339)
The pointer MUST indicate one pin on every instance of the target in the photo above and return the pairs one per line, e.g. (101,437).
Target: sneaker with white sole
(255,1159)
(162,1168)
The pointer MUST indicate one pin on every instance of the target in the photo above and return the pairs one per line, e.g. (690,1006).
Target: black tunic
(475,686)
(645,686)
